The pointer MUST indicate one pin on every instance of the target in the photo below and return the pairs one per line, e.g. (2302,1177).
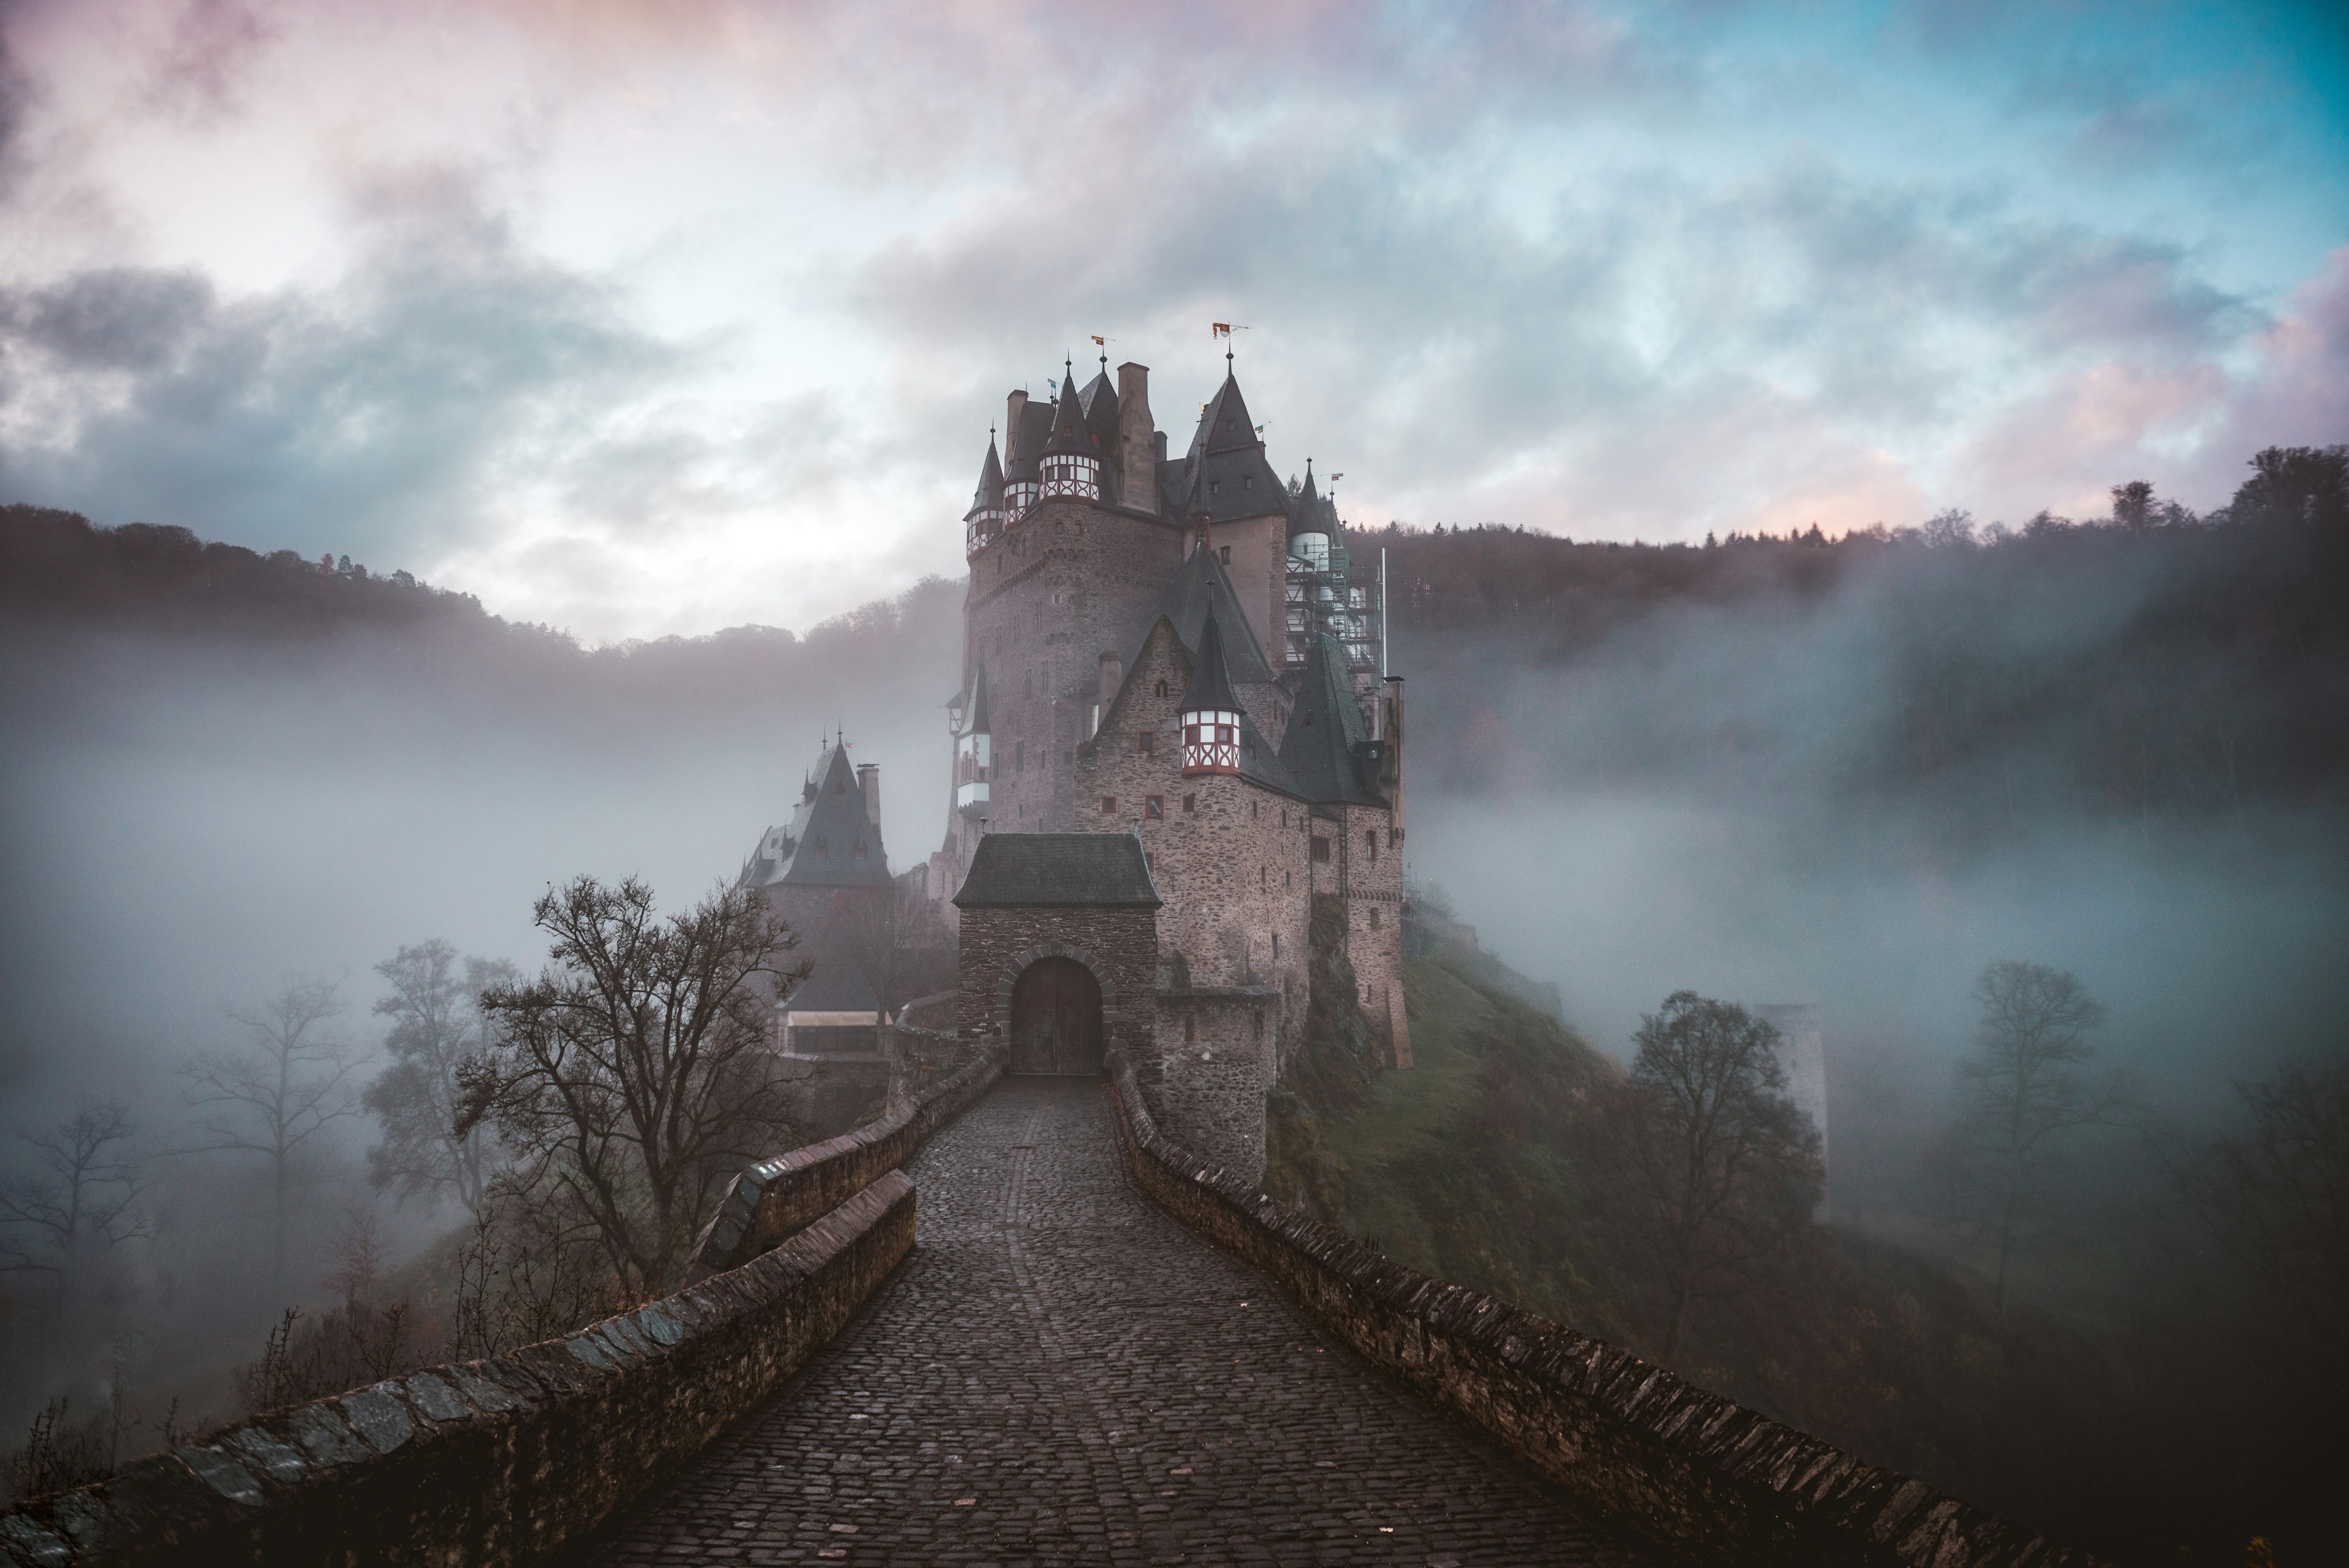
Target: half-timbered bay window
(1211,741)
(1072,474)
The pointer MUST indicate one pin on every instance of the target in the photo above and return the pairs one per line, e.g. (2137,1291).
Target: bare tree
(2278,1198)
(276,1097)
(2022,1090)
(437,1026)
(1723,1172)
(79,1200)
(632,1077)
(892,936)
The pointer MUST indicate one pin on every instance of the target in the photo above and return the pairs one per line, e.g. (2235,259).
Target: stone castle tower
(1176,651)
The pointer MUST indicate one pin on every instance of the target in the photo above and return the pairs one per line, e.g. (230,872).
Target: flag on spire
(1223,329)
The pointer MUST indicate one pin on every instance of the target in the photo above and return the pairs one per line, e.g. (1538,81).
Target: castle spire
(1210,713)
(1073,456)
(984,520)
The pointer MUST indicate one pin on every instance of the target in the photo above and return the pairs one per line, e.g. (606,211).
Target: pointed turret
(984,520)
(1224,472)
(1305,509)
(1325,750)
(1210,714)
(1072,455)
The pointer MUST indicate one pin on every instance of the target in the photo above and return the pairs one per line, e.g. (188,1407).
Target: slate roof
(1211,684)
(1026,444)
(1225,473)
(1324,728)
(1308,513)
(1058,871)
(1200,584)
(988,496)
(818,849)
(1098,400)
(1070,432)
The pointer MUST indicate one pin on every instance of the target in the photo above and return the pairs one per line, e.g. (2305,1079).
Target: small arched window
(1161,688)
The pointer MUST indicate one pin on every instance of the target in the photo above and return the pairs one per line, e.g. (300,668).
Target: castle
(1174,739)
(1177,775)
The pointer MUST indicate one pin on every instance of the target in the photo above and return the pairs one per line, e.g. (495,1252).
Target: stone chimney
(868,780)
(1137,445)
(1014,406)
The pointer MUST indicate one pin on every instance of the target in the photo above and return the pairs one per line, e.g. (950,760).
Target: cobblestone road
(1063,1373)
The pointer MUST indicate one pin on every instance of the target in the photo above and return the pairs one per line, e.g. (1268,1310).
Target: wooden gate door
(1056,1018)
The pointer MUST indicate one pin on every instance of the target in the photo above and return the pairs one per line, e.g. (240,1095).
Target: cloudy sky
(651,317)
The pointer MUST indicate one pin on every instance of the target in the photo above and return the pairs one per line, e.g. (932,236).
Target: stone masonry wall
(490,1462)
(1228,856)
(1707,1479)
(1121,942)
(1046,598)
(774,1199)
(1365,868)
(1212,1060)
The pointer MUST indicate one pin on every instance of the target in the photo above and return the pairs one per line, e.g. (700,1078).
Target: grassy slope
(1467,1167)
(1489,1075)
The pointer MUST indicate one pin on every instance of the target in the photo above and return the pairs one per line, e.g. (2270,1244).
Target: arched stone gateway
(1056,1020)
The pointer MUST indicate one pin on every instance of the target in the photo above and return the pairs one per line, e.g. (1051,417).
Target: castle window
(1370,844)
(1264,876)
(1215,486)
(1286,881)
(1161,688)
(1374,919)
(1247,481)
(1190,804)
(1145,742)
(1211,740)
(1276,945)
(1154,807)
(1109,805)
(1320,848)
(1225,553)
(822,846)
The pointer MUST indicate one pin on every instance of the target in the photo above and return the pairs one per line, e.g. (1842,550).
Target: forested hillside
(2178,1431)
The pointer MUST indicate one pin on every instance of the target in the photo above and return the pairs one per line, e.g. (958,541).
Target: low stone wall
(776,1197)
(1707,1479)
(490,1462)
(935,1011)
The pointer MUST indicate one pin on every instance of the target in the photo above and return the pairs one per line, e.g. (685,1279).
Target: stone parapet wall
(1208,1069)
(1705,1478)
(775,1198)
(935,1011)
(491,1463)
